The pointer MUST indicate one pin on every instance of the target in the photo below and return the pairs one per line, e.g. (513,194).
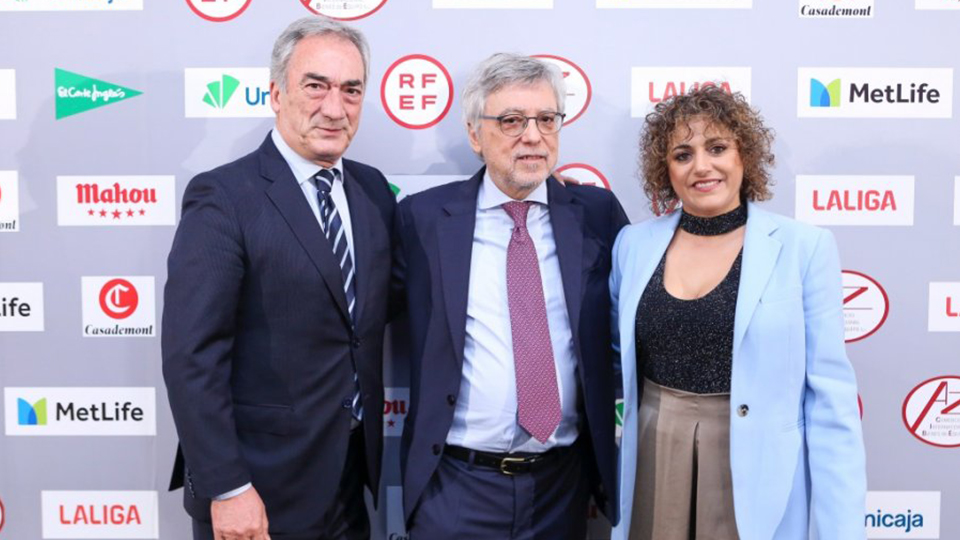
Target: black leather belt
(509,464)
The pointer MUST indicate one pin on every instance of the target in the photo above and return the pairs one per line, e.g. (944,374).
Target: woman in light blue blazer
(740,405)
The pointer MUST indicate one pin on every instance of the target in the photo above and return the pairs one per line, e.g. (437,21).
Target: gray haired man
(274,313)
(511,426)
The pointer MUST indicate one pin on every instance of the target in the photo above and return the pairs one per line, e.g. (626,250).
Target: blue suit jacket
(436,230)
(258,346)
(799,448)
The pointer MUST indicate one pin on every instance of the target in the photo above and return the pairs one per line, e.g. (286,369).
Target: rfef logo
(118,306)
(21,307)
(875,92)
(944,308)
(405,185)
(417,91)
(344,10)
(855,200)
(218,10)
(675,4)
(903,514)
(32,414)
(115,201)
(938,4)
(931,411)
(100,514)
(80,411)
(584,175)
(835,9)
(8,94)
(71,5)
(77,93)
(396,402)
(9,202)
(227,93)
(652,85)
(492,4)
(579,91)
(865,306)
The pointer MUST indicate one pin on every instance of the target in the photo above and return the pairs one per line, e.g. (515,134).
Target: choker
(713,226)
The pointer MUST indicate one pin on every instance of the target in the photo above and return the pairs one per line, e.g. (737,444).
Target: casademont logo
(118,306)
(116,201)
(9,202)
(77,93)
(219,92)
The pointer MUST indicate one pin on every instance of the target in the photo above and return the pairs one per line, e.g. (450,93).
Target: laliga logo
(119,299)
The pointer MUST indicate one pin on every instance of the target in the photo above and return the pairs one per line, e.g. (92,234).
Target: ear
(474,136)
(275,97)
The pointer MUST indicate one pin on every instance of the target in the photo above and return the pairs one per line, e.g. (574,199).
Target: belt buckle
(507,460)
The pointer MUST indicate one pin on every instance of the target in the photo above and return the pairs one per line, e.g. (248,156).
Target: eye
(511,120)
(547,120)
(681,156)
(718,149)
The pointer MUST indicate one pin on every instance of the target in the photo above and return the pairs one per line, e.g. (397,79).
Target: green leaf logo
(75,93)
(219,92)
(620,412)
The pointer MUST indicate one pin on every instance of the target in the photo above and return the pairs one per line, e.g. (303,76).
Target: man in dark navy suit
(274,312)
(511,426)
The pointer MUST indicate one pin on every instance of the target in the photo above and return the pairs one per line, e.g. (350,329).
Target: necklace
(713,226)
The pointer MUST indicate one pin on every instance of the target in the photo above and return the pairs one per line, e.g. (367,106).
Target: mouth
(530,158)
(706,185)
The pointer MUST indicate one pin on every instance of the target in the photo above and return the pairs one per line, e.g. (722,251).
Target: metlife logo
(855,200)
(836,9)
(116,201)
(71,5)
(21,307)
(119,306)
(875,92)
(227,93)
(8,94)
(80,411)
(903,514)
(652,85)
(9,202)
(100,514)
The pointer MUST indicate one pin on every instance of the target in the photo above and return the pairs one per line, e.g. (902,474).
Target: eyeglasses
(513,124)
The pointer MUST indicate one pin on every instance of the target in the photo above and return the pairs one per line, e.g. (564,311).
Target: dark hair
(721,110)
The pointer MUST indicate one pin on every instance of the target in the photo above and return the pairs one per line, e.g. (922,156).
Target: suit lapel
(760,252)
(455,244)
(362,214)
(660,234)
(566,218)
(286,195)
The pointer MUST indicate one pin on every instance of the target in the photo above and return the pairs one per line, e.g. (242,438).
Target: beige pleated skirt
(683,489)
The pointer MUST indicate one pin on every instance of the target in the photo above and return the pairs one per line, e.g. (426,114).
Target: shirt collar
(490,195)
(303,170)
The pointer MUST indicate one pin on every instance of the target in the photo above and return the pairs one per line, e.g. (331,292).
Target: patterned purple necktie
(538,399)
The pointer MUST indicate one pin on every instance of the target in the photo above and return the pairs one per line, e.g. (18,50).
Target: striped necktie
(333,229)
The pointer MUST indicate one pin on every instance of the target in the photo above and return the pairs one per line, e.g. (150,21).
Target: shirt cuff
(233,493)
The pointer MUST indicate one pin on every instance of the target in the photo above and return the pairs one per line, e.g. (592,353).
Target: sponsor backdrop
(109,107)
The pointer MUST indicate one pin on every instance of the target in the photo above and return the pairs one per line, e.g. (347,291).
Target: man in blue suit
(511,426)
(275,307)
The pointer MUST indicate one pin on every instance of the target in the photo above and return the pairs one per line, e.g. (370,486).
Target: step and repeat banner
(109,107)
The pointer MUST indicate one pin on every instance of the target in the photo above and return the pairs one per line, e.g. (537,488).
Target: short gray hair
(505,69)
(309,27)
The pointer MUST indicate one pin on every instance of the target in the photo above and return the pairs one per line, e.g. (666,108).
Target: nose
(331,105)
(702,164)
(531,134)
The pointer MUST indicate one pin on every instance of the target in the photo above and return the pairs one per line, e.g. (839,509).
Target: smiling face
(318,113)
(705,168)
(517,165)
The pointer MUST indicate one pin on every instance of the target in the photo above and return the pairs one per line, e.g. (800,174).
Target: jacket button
(451,399)
(436,449)
(346,403)
(743,410)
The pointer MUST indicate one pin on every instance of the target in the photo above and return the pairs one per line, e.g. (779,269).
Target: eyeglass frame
(526,122)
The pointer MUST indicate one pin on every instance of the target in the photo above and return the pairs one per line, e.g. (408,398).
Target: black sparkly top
(688,344)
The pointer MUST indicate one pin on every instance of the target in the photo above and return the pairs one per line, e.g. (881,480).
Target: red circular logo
(931,411)
(417,91)
(583,174)
(865,306)
(218,10)
(579,91)
(344,10)
(119,299)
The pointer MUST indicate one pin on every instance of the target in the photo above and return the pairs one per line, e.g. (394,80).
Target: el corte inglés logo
(77,93)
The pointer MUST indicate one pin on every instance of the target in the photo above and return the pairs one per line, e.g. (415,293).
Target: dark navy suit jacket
(436,229)
(258,346)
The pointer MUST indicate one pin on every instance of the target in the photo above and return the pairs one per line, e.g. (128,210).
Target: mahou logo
(396,403)
(9,202)
(119,306)
(100,514)
(855,200)
(931,411)
(8,94)
(115,201)
(652,85)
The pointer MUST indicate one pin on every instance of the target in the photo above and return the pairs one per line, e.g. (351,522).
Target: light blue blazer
(797,454)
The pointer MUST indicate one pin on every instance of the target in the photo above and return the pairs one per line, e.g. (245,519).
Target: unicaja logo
(219,92)
(903,522)
(32,415)
(824,96)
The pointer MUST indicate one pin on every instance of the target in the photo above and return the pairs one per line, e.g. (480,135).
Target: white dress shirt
(303,172)
(486,413)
